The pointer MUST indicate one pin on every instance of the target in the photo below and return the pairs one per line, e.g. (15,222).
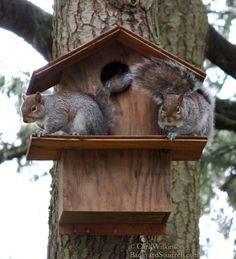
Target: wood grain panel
(125,186)
(112,229)
(50,147)
(134,112)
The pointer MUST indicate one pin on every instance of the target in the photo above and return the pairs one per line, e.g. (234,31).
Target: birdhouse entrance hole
(113,69)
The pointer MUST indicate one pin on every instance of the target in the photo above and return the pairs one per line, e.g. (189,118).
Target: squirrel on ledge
(73,112)
(186,107)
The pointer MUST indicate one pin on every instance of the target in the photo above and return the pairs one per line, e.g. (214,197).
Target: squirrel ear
(180,99)
(159,98)
(24,96)
(38,97)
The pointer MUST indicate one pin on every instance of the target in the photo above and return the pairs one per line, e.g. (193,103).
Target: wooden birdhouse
(119,183)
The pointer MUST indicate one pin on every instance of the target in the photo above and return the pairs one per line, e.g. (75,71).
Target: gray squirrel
(72,112)
(186,107)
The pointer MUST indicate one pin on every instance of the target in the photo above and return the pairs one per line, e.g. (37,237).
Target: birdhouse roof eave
(49,75)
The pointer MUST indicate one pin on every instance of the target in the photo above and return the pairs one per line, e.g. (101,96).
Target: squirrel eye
(33,108)
(177,109)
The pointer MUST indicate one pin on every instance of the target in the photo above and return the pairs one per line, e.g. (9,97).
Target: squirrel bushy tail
(163,77)
(115,83)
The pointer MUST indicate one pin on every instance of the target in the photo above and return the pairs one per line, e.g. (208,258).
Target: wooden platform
(50,147)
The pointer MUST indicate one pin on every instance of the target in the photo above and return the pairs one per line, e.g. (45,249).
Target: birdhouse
(119,183)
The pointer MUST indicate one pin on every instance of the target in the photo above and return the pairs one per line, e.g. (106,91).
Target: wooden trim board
(49,75)
(112,229)
(50,147)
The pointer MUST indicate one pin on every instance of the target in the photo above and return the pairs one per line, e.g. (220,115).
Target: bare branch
(12,152)
(221,52)
(225,115)
(30,22)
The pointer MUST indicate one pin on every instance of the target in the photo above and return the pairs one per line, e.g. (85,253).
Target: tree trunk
(183,32)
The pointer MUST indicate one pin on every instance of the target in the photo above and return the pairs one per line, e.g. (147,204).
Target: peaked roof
(49,75)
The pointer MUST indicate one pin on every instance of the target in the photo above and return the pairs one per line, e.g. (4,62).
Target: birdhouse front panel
(134,112)
(108,186)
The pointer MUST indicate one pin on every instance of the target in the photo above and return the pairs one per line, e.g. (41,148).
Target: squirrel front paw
(74,133)
(41,133)
(171,135)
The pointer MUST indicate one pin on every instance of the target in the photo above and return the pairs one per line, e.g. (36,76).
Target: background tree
(184,32)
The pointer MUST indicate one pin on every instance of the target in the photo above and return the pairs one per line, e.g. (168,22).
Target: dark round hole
(113,69)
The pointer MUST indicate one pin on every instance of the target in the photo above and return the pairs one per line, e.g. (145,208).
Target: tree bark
(181,29)
(182,32)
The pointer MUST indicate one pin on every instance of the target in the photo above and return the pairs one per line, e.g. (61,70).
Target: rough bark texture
(77,22)
(182,31)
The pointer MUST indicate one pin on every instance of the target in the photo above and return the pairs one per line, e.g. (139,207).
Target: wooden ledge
(112,229)
(49,147)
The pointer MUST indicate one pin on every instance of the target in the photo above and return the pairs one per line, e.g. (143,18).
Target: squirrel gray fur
(186,107)
(72,112)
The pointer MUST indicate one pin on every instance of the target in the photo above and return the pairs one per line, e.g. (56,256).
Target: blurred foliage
(218,163)
(218,168)
(16,148)
(223,13)
(229,187)
(14,87)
